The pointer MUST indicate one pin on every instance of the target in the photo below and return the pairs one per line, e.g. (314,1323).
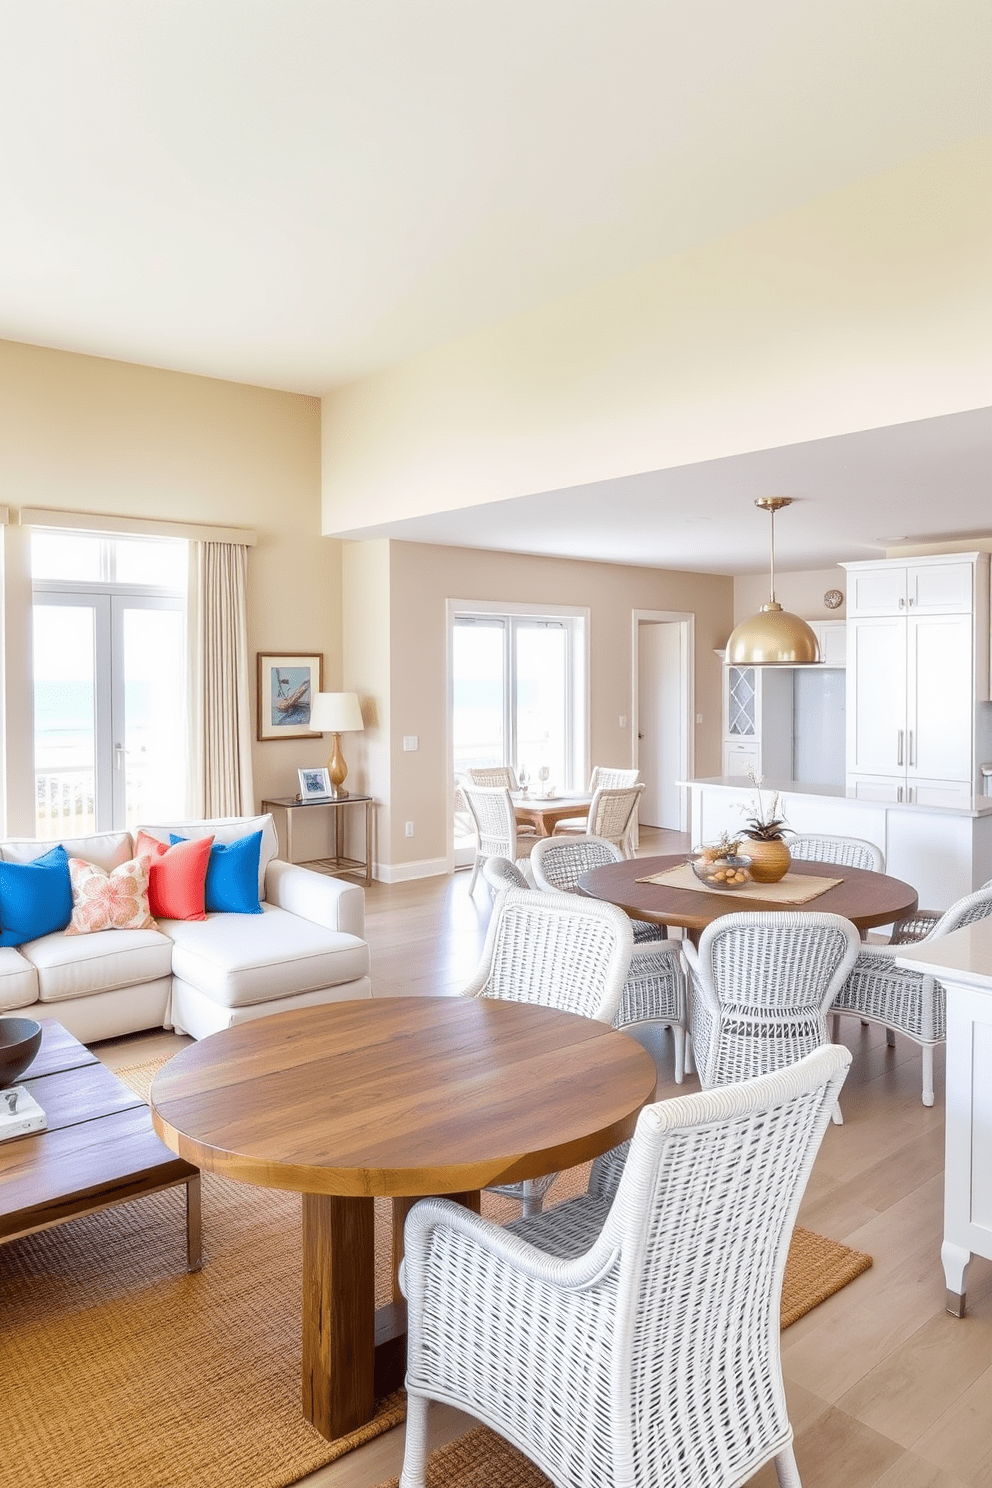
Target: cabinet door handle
(902,604)
(899,749)
(912,761)
(899,796)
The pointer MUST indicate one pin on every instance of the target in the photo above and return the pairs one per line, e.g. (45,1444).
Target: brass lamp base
(337,770)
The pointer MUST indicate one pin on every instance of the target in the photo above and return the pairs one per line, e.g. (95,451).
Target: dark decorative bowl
(723,873)
(20,1040)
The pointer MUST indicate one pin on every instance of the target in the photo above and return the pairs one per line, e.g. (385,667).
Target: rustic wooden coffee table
(99,1149)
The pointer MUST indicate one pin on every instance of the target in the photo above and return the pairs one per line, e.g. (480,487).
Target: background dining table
(544,812)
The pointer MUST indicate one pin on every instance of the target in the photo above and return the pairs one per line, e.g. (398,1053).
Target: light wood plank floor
(884,1387)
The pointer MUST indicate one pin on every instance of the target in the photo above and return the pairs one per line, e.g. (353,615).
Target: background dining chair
(611,815)
(494,775)
(630,1336)
(497,832)
(904,1001)
(558,951)
(851,852)
(760,988)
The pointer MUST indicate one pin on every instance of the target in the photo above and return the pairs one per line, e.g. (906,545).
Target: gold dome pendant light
(772,637)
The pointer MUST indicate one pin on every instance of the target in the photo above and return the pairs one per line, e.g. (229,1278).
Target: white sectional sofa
(197,976)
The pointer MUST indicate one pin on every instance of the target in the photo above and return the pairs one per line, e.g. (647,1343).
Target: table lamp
(336,713)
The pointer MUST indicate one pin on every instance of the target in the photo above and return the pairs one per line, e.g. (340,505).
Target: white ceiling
(294,193)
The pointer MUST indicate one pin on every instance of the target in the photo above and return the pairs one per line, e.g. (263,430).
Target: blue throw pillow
(232,875)
(35,898)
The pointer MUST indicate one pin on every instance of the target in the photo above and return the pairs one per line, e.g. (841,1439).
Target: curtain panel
(220,774)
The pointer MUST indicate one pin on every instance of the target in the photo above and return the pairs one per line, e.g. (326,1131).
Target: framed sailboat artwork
(287,686)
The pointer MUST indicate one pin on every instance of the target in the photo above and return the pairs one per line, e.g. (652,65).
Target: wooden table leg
(338,1312)
(194,1227)
(401,1208)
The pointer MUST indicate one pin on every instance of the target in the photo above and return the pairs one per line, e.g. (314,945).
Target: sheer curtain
(220,731)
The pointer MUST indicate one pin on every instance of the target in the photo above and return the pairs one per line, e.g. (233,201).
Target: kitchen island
(943,851)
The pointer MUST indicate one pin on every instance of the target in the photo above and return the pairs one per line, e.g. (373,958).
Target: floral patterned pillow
(109,901)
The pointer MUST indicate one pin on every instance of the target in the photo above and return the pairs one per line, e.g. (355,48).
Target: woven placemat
(792,888)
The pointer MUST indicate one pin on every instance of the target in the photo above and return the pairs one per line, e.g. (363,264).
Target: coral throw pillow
(232,875)
(177,876)
(109,901)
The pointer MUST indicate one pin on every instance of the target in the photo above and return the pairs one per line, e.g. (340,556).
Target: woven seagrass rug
(118,1368)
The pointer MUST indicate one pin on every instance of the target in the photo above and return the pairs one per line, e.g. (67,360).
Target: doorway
(662,714)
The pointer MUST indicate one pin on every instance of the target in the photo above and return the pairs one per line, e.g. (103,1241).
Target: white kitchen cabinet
(831,637)
(757,721)
(918,723)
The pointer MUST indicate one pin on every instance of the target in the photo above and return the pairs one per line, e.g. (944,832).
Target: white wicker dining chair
(498,834)
(760,988)
(494,775)
(904,1001)
(851,852)
(557,864)
(559,951)
(655,989)
(630,1336)
(611,815)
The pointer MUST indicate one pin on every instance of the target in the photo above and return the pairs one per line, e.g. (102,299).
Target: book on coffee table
(20,1113)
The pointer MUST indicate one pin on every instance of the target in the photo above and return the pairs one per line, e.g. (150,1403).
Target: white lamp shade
(336,713)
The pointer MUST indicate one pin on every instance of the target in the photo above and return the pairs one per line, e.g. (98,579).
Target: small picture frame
(287,686)
(315,785)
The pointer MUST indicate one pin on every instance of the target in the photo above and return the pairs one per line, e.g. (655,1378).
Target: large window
(109,681)
(519,696)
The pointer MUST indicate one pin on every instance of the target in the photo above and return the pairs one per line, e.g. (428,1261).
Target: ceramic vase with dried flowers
(766,845)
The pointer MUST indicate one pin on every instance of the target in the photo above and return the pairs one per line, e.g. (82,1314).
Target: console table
(338,863)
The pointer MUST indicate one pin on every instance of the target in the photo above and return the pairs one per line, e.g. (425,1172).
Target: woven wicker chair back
(635,1338)
(494,775)
(495,823)
(762,988)
(500,874)
(556,950)
(611,811)
(558,863)
(851,852)
(976,906)
(604,777)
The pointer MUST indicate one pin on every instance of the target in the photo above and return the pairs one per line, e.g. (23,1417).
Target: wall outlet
(409,829)
(623,720)
(411,741)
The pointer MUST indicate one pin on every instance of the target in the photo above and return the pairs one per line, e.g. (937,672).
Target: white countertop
(965,955)
(978,806)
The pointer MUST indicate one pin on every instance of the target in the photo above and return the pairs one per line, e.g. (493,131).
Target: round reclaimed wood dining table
(400,1097)
(866,899)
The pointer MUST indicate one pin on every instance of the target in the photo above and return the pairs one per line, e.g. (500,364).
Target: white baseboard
(391,873)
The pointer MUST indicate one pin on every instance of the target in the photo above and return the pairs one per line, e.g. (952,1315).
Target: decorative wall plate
(833,599)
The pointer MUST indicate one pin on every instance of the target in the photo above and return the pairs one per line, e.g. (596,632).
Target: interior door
(659,722)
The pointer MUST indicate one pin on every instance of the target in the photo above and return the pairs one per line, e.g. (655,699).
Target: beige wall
(84,434)
(869,307)
(413,687)
(802,593)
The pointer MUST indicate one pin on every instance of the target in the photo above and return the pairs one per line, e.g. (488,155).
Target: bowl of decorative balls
(722,866)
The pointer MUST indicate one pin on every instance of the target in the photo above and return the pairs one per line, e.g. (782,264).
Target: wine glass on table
(542,776)
(522,779)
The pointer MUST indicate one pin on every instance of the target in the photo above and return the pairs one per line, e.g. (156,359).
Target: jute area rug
(117,1368)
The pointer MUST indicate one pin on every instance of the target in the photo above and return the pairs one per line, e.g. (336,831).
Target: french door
(517,698)
(109,710)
